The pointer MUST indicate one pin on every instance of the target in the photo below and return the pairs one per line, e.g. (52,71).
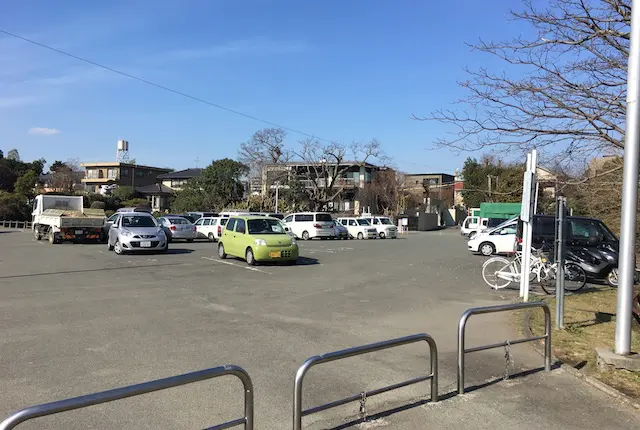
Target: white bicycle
(500,272)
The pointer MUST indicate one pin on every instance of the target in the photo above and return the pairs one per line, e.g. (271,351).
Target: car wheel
(251,261)
(36,233)
(382,235)
(360,236)
(487,249)
(165,249)
(305,235)
(109,246)
(612,278)
(211,237)
(52,237)
(221,252)
(117,248)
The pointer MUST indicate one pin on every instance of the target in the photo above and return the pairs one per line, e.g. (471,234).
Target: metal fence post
(298,412)
(462,323)
(561,242)
(143,388)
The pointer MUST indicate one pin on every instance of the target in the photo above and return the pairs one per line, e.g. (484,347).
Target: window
(385,221)
(93,173)
(289,218)
(112,173)
(199,222)
(364,222)
(138,221)
(178,221)
(112,218)
(240,226)
(124,172)
(508,229)
(344,222)
(304,218)
(139,173)
(214,221)
(265,226)
(205,222)
(324,217)
(352,222)
(231,224)
(178,183)
(546,227)
(376,221)
(223,221)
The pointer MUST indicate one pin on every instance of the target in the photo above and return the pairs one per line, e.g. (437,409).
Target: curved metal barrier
(501,308)
(298,413)
(146,387)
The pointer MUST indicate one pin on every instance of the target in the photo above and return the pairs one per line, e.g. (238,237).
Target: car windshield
(385,221)
(265,226)
(363,222)
(133,221)
(323,217)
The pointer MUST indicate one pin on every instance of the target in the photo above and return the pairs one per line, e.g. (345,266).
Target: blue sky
(342,70)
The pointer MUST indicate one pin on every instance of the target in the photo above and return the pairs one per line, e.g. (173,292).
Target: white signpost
(527,211)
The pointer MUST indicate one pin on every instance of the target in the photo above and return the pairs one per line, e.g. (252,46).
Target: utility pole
(277,189)
(629,191)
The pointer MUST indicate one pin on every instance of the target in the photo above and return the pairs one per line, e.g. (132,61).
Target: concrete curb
(577,373)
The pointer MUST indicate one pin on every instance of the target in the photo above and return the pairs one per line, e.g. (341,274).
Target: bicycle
(499,272)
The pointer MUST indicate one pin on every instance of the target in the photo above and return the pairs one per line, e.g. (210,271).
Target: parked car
(178,227)
(136,231)
(383,225)
(359,227)
(256,239)
(486,224)
(210,227)
(470,223)
(500,240)
(197,215)
(307,225)
(340,231)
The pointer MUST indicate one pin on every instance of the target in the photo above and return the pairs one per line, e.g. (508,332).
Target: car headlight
(126,233)
(260,242)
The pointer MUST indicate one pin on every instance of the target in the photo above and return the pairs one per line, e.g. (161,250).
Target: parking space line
(254,269)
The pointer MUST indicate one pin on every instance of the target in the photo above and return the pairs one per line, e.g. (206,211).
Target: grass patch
(590,323)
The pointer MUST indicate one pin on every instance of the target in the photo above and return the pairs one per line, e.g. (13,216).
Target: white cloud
(43,131)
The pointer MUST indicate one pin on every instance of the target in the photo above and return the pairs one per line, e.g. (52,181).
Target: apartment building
(118,173)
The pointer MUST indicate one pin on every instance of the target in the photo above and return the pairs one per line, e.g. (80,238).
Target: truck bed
(62,218)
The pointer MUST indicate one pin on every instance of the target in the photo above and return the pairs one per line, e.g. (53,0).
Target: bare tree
(563,90)
(323,166)
(65,175)
(266,146)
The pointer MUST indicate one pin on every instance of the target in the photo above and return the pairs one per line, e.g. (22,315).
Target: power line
(162,87)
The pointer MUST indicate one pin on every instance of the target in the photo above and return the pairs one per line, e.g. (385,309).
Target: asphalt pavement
(77,319)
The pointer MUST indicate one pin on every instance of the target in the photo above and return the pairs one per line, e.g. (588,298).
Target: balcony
(338,183)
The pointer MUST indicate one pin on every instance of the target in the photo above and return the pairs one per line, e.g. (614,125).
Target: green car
(256,239)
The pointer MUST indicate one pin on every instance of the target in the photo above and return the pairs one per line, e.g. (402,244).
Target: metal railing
(501,308)
(298,413)
(135,390)
(16,224)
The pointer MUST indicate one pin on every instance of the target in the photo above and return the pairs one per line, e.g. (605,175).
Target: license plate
(79,231)
(275,254)
(145,244)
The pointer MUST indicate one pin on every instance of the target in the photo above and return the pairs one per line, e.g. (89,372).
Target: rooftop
(154,189)
(182,174)
(319,163)
(119,164)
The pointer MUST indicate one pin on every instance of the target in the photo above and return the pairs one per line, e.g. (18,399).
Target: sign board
(526,213)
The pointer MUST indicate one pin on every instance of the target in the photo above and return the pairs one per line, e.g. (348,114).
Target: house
(437,185)
(547,181)
(159,196)
(99,174)
(351,177)
(177,180)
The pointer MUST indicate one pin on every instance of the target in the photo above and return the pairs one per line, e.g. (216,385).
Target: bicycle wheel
(498,272)
(575,278)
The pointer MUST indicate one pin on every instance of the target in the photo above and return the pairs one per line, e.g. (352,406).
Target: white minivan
(307,225)
(384,226)
(210,227)
(500,240)
(360,228)
(470,224)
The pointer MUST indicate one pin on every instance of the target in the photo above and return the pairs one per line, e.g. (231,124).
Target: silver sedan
(177,227)
(136,231)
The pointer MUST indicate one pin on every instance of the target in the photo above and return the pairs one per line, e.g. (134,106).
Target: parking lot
(78,319)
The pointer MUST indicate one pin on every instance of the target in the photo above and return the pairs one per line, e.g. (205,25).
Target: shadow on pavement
(515,376)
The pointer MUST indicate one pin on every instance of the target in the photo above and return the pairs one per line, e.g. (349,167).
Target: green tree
(190,198)
(13,154)
(506,181)
(13,207)
(25,184)
(124,193)
(222,184)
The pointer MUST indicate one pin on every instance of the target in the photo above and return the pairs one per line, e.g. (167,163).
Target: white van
(470,223)
(359,227)
(307,225)
(383,225)
(500,240)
